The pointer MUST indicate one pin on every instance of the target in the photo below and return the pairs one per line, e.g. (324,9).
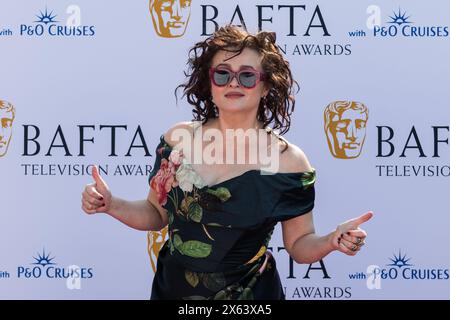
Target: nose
(234,82)
(351,131)
(176,11)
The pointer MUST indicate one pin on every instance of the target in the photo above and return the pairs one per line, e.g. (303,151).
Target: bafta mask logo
(7,114)
(170,17)
(345,128)
(155,241)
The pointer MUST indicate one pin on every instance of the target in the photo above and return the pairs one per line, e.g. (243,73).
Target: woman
(221,215)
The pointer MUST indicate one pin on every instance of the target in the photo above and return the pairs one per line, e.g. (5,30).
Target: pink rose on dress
(164,180)
(174,172)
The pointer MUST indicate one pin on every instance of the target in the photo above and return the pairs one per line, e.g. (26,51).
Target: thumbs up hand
(349,237)
(96,196)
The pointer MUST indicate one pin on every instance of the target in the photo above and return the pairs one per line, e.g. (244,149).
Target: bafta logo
(345,128)
(7,114)
(170,17)
(155,241)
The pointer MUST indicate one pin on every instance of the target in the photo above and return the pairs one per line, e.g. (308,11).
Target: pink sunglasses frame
(260,76)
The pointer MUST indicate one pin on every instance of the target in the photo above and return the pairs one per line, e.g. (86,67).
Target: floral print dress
(218,235)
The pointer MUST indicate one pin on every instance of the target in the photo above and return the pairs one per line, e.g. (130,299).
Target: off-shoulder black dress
(218,234)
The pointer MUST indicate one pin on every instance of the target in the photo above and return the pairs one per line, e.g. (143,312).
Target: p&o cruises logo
(45,266)
(400,24)
(400,268)
(48,23)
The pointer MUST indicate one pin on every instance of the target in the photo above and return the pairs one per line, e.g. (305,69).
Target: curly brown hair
(275,109)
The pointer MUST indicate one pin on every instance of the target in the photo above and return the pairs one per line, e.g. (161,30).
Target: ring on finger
(354,247)
(358,240)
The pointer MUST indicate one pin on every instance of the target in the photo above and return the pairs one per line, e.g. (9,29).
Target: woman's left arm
(304,246)
(299,236)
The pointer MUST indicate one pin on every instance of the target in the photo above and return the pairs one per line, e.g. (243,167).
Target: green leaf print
(177,242)
(171,246)
(222,193)
(227,293)
(214,281)
(192,248)
(213,224)
(195,249)
(195,212)
(194,298)
(308,178)
(247,294)
(192,278)
(184,206)
(222,295)
(170,214)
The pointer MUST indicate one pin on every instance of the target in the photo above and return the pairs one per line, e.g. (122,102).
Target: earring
(266,110)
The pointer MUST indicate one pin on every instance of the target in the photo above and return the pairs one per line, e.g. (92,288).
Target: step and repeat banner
(92,82)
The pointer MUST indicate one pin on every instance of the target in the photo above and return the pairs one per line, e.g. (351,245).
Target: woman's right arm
(141,214)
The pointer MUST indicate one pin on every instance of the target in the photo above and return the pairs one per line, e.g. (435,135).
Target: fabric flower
(164,180)
(187,177)
(175,157)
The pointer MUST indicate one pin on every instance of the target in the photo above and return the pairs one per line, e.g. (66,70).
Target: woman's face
(247,59)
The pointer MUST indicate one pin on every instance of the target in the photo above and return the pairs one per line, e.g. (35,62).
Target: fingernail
(348,233)
(101,198)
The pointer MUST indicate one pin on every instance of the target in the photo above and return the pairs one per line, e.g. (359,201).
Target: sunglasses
(247,78)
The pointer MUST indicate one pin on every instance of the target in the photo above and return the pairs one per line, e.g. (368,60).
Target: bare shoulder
(293,159)
(180,129)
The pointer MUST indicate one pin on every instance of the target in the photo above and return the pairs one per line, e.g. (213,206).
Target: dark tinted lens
(221,77)
(247,78)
